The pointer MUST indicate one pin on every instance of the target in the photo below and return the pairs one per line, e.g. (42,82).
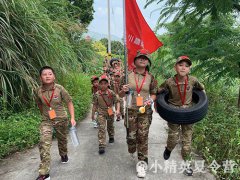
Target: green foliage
(16,130)
(193,9)
(117,47)
(29,39)
(79,87)
(84,10)
(217,137)
(213,47)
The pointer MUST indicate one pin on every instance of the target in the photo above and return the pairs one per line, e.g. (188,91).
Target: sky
(100,22)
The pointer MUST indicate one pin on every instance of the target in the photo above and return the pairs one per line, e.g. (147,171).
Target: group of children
(108,91)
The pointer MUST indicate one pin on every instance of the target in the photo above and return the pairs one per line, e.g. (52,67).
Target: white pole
(125,63)
(109,33)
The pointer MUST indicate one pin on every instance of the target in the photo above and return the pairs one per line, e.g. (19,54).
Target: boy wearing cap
(103,101)
(115,86)
(143,88)
(50,98)
(180,89)
(94,81)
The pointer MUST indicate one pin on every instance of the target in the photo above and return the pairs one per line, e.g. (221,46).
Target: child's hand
(125,88)
(73,122)
(118,113)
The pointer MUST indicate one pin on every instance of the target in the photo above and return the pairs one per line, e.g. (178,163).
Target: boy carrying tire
(180,89)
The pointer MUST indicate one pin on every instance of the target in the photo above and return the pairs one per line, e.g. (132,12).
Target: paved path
(86,164)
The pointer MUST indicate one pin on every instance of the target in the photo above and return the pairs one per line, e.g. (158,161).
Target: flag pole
(125,63)
(109,32)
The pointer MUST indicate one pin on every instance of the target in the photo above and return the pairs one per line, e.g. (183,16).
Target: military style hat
(113,61)
(145,53)
(94,78)
(103,77)
(184,58)
(117,73)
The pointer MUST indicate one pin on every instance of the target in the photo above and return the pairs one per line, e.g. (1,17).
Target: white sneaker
(141,168)
(133,156)
(95,124)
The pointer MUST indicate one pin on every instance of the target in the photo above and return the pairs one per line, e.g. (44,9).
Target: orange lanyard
(46,101)
(183,97)
(109,96)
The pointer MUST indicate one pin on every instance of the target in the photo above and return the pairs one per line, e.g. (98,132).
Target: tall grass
(30,39)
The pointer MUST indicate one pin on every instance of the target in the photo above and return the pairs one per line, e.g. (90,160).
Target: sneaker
(188,171)
(166,154)
(43,177)
(101,150)
(141,168)
(95,124)
(118,118)
(64,159)
(111,140)
(133,156)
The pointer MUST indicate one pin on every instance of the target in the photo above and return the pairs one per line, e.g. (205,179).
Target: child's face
(103,85)
(182,68)
(47,76)
(116,65)
(95,83)
(117,78)
(104,68)
(141,61)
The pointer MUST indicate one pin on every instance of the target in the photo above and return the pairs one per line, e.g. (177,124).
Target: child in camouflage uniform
(94,81)
(180,89)
(103,101)
(144,87)
(115,86)
(50,98)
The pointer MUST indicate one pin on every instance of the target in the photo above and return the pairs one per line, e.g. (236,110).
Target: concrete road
(86,164)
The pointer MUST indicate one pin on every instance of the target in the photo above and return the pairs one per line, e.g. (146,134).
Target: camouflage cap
(184,58)
(103,77)
(113,60)
(117,73)
(94,78)
(143,52)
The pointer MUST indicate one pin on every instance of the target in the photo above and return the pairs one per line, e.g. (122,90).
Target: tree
(214,45)
(199,9)
(116,46)
(84,10)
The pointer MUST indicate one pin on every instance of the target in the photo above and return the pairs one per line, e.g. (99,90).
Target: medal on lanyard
(51,113)
(183,98)
(139,98)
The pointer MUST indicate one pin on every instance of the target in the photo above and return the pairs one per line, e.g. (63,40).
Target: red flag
(138,34)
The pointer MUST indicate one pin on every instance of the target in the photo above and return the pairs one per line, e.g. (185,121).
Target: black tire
(179,115)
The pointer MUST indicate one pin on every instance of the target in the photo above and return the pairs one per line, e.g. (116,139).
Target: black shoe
(118,118)
(188,171)
(64,159)
(166,154)
(101,150)
(111,140)
(123,116)
(43,177)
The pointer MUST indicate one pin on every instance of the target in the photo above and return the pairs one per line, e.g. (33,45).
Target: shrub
(217,137)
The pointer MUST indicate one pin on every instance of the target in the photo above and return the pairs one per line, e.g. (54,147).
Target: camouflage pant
(46,131)
(104,120)
(173,136)
(138,132)
(121,106)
